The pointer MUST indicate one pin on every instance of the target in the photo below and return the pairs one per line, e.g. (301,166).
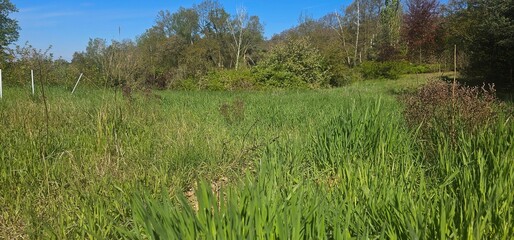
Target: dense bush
(381,70)
(293,64)
(393,69)
(342,75)
(187,84)
(440,107)
(24,58)
(228,80)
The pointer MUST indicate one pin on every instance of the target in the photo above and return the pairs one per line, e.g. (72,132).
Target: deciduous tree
(420,24)
(390,24)
(491,46)
(183,23)
(8,27)
(246,32)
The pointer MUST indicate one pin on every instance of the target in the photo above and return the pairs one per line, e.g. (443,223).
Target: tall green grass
(336,164)
(364,176)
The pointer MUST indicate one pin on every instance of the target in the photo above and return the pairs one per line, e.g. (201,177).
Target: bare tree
(357,33)
(237,28)
(246,32)
(340,31)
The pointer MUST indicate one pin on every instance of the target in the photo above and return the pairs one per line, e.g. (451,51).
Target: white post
(0,83)
(32,78)
(76,84)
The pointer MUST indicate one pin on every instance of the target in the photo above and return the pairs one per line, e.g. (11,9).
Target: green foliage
(483,33)
(115,64)
(9,29)
(228,80)
(381,70)
(27,58)
(188,84)
(393,69)
(421,68)
(295,64)
(342,75)
(185,24)
(491,45)
(92,61)
(390,25)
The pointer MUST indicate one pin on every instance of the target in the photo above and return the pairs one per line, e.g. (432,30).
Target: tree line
(206,47)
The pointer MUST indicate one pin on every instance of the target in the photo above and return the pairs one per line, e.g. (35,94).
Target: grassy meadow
(279,164)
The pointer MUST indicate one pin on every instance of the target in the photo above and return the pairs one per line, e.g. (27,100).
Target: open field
(335,163)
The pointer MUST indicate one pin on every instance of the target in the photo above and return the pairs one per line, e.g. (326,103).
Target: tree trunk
(420,59)
(344,40)
(357,34)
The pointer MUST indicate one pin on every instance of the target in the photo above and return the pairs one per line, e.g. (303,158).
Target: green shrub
(228,80)
(381,70)
(185,84)
(342,75)
(420,68)
(293,64)
(393,69)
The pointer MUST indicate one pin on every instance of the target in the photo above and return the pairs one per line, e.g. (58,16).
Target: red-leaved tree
(420,25)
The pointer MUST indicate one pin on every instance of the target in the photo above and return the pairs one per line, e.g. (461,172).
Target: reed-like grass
(336,164)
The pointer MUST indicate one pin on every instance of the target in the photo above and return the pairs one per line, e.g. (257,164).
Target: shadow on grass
(504,91)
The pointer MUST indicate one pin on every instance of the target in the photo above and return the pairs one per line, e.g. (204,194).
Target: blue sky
(67,25)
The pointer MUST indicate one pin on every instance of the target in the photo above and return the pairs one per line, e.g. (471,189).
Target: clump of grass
(374,186)
(233,112)
(328,164)
(360,132)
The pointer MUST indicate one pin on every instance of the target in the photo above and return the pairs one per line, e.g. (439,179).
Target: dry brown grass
(12,227)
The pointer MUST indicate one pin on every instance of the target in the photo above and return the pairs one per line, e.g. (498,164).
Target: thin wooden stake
(32,81)
(76,84)
(454,64)
(454,85)
(1,84)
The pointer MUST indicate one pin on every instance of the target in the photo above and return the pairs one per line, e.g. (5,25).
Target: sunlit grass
(335,163)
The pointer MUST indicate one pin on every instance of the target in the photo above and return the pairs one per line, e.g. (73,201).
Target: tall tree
(340,29)
(91,62)
(184,23)
(491,48)
(161,55)
(254,38)
(358,29)
(163,23)
(8,27)
(420,24)
(483,31)
(214,28)
(237,28)
(246,32)
(391,16)
(358,23)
